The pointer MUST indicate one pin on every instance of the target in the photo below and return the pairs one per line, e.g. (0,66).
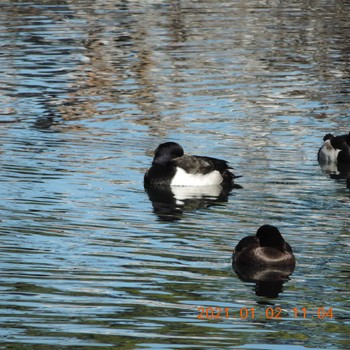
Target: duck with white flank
(267,248)
(335,149)
(171,167)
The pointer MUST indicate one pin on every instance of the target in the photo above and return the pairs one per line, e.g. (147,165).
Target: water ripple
(89,90)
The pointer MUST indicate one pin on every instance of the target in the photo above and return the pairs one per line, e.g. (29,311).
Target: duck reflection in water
(266,259)
(178,182)
(334,156)
(170,202)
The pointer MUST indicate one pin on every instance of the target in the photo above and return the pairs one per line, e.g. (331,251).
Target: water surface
(88,91)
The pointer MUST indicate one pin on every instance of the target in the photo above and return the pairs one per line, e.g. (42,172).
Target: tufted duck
(172,167)
(335,149)
(267,248)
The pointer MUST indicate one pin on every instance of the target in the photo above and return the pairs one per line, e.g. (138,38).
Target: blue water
(88,91)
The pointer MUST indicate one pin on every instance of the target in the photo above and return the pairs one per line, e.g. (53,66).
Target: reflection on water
(86,89)
(268,280)
(336,170)
(170,202)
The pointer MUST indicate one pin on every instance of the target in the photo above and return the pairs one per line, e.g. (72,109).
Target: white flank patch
(328,154)
(182,178)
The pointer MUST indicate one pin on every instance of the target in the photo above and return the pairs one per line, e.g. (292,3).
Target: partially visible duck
(267,248)
(171,167)
(335,149)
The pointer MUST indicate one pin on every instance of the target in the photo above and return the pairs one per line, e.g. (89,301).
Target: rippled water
(88,90)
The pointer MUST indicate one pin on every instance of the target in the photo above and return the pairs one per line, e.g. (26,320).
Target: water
(88,90)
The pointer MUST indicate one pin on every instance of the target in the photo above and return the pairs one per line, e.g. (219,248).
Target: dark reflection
(268,280)
(45,122)
(169,203)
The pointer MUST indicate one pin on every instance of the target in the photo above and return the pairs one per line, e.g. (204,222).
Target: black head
(348,139)
(167,151)
(328,137)
(270,236)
